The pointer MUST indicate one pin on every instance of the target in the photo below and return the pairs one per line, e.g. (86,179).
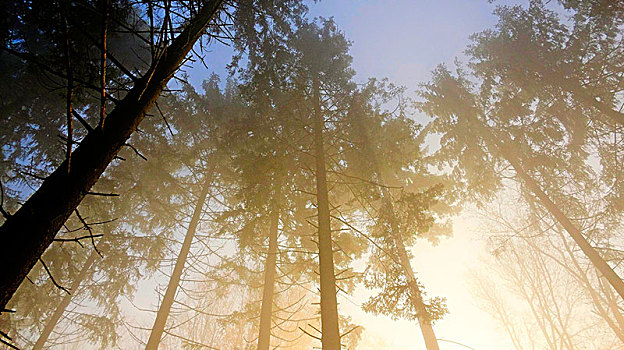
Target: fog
(311,175)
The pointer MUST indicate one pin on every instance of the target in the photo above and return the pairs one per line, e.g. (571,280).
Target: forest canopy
(257,174)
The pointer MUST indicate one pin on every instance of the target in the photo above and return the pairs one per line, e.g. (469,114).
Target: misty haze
(312,174)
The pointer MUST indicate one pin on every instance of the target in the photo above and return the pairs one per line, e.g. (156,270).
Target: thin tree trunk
(33,227)
(104,32)
(176,275)
(415,294)
(264,335)
(615,309)
(431,342)
(529,298)
(610,299)
(60,309)
(574,268)
(501,143)
(330,331)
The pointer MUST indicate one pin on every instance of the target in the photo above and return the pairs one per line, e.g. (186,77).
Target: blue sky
(402,40)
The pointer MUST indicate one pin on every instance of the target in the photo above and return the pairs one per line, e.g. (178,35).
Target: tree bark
(29,231)
(174,281)
(330,331)
(264,334)
(60,309)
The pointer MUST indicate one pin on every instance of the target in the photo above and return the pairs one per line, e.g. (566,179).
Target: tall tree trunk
(33,227)
(264,335)
(60,309)
(431,342)
(330,336)
(176,275)
(502,144)
(415,294)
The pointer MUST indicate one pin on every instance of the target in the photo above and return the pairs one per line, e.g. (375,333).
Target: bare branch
(52,278)
(77,239)
(4,335)
(82,121)
(304,331)
(136,151)
(88,228)
(164,118)
(102,194)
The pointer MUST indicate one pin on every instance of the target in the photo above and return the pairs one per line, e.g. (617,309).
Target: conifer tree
(62,191)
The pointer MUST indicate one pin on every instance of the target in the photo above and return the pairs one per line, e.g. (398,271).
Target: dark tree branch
(136,151)
(164,118)
(82,121)
(88,228)
(2,211)
(77,239)
(306,332)
(4,335)
(349,331)
(33,175)
(102,194)
(52,278)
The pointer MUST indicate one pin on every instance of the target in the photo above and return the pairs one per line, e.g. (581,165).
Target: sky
(404,40)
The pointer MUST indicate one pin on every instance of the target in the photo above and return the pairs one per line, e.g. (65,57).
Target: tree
(48,208)
(378,132)
(199,118)
(63,190)
(533,260)
(287,133)
(102,251)
(572,65)
(323,57)
(451,101)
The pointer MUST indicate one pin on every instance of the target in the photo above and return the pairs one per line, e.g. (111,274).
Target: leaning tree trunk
(610,298)
(264,334)
(415,294)
(176,275)
(580,274)
(501,143)
(60,309)
(330,331)
(29,231)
